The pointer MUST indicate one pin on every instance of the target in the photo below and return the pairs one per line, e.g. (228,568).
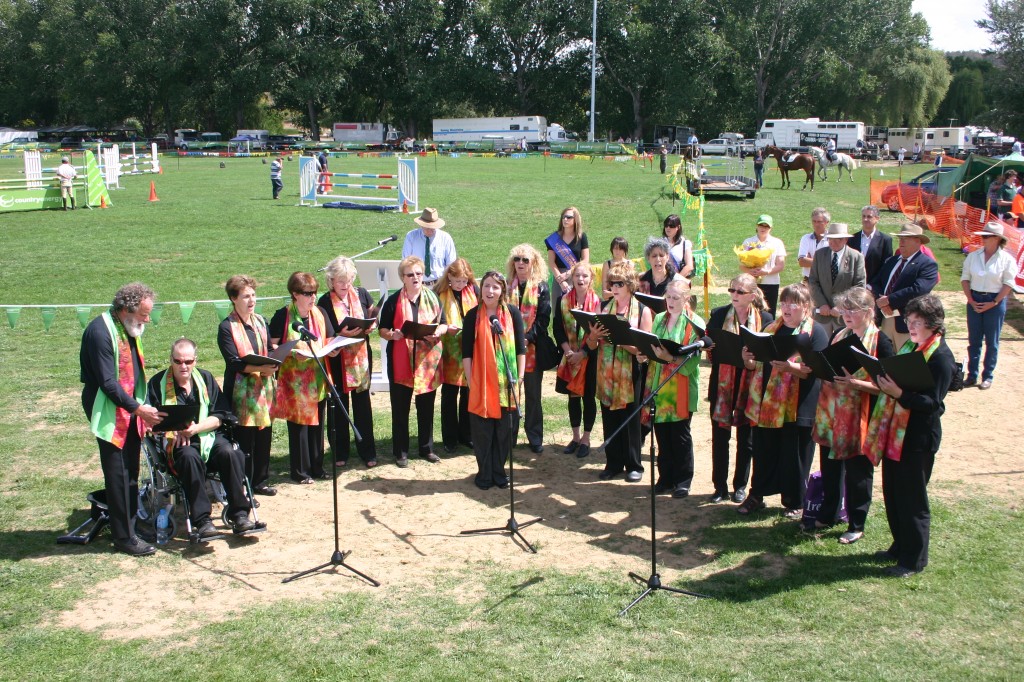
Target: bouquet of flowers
(753,255)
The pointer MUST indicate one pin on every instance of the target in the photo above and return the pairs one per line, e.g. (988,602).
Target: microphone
(392,238)
(297,326)
(496,326)
(705,342)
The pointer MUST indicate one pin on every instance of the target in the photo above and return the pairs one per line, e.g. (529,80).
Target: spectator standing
(768,274)
(431,244)
(875,246)
(758,169)
(987,280)
(809,243)
(276,181)
(835,270)
(67,174)
(901,154)
(907,275)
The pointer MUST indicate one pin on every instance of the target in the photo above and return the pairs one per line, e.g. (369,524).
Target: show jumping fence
(315,187)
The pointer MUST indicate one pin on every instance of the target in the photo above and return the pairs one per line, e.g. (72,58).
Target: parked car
(720,146)
(919,190)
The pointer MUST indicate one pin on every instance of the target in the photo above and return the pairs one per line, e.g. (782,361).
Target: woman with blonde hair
(458,293)
(528,291)
(351,369)
(781,404)
(728,387)
(618,376)
(577,373)
(566,246)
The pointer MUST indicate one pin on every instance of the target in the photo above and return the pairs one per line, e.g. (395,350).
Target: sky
(952,24)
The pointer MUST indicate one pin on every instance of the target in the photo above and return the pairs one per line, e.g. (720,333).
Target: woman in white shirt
(987,280)
(768,278)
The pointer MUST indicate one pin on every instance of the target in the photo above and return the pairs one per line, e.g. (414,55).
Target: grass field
(786,607)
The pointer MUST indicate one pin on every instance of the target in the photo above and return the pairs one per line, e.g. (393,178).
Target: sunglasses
(306,293)
(738,291)
(616,283)
(413,274)
(520,259)
(568,216)
(183,362)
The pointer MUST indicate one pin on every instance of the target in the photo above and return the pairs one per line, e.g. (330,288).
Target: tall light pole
(593,72)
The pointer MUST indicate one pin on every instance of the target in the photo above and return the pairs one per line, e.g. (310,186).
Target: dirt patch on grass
(404,525)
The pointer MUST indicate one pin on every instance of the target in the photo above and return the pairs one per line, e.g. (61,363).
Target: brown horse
(804,162)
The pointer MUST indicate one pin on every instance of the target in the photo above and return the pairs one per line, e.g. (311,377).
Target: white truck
(956,140)
(259,138)
(507,129)
(370,133)
(793,133)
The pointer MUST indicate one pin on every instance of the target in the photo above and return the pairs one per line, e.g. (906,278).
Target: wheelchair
(159,489)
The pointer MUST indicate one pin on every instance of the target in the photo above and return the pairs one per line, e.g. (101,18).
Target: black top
(657,289)
(99,366)
(924,428)
(366,301)
(543,319)
(469,332)
(576,246)
(387,321)
(717,321)
(807,402)
(232,362)
(276,328)
(561,336)
(219,401)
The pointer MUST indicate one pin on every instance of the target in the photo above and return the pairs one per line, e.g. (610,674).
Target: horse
(842,160)
(804,162)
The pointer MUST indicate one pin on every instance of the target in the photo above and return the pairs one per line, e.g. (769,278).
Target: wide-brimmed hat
(765,219)
(912,230)
(429,219)
(65,159)
(992,229)
(838,231)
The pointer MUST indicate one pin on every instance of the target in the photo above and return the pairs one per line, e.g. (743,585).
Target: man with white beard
(114,396)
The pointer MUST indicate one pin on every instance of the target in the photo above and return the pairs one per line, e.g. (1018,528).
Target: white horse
(842,160)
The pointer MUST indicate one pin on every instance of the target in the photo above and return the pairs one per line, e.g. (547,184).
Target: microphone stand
(653,582)
(379,246)
(338,557)
(513,526)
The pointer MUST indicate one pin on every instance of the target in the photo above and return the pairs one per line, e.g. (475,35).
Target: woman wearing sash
(250,388)
(301,388)
(660,271)
(680,248)
(618,374)
(781,404)
(414,366)
(566,246)
(841,422)
(676,402)
(728,387)
(350,370)
(904,434)
(528,291)
(457,291)
(487,358)
(577,373)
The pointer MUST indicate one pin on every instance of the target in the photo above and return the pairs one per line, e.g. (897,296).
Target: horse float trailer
(508,129)
(799,133)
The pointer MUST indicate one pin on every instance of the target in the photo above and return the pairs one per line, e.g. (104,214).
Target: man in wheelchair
(200,447)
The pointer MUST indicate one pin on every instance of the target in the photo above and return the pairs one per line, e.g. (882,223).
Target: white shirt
(989,276)
(865,240)
(808,246)
(679,251)
(778,249)
(66,173)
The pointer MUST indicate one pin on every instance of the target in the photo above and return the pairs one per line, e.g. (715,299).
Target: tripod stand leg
(636,601)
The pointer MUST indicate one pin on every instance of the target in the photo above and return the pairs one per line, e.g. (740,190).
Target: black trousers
(583,410)
(782,463)
(533,412)
(401,404)
(228,462)
(455,422)
(675,453)
(492,439)
(121,479)
(855,476)
(623,451)
(833,478)
(720,437)
(255,443)
(339,435)
(771,295)
(306,449)
(905,490)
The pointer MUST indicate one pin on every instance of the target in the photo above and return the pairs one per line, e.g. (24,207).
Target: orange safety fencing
(946,216)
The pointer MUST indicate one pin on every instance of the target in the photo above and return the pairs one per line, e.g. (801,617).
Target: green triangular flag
(48,314)
(156,312)
(223,308)
(83,314)
(12,316)
(186,310)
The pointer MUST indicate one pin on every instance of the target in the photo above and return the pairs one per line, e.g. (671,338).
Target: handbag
(549,354)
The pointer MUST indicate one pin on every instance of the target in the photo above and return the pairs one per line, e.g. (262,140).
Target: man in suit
(875,246)
(833,271)
(904,277)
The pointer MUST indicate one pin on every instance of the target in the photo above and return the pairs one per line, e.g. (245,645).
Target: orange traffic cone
(103,201)
(161,171)
(152,191)
(405,207)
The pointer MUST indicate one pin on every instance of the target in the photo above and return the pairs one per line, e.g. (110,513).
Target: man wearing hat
(431,243)
(904,277)
(768,278)
(833,271)
(67,174)
(987,280)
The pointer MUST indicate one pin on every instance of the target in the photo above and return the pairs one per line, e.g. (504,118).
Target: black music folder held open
(768,347)
(178,417)
(909,371)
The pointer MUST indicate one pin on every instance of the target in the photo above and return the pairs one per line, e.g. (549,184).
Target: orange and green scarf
(253,394)
(490,364)
(677,400)
(889,419)
(300,386)
(451,344)
(108,421)
(169,396)
(729,403)
(355,358)
(841,421)
(425,375)
(528,308)
(575,378)
(615,387)
(771,405)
